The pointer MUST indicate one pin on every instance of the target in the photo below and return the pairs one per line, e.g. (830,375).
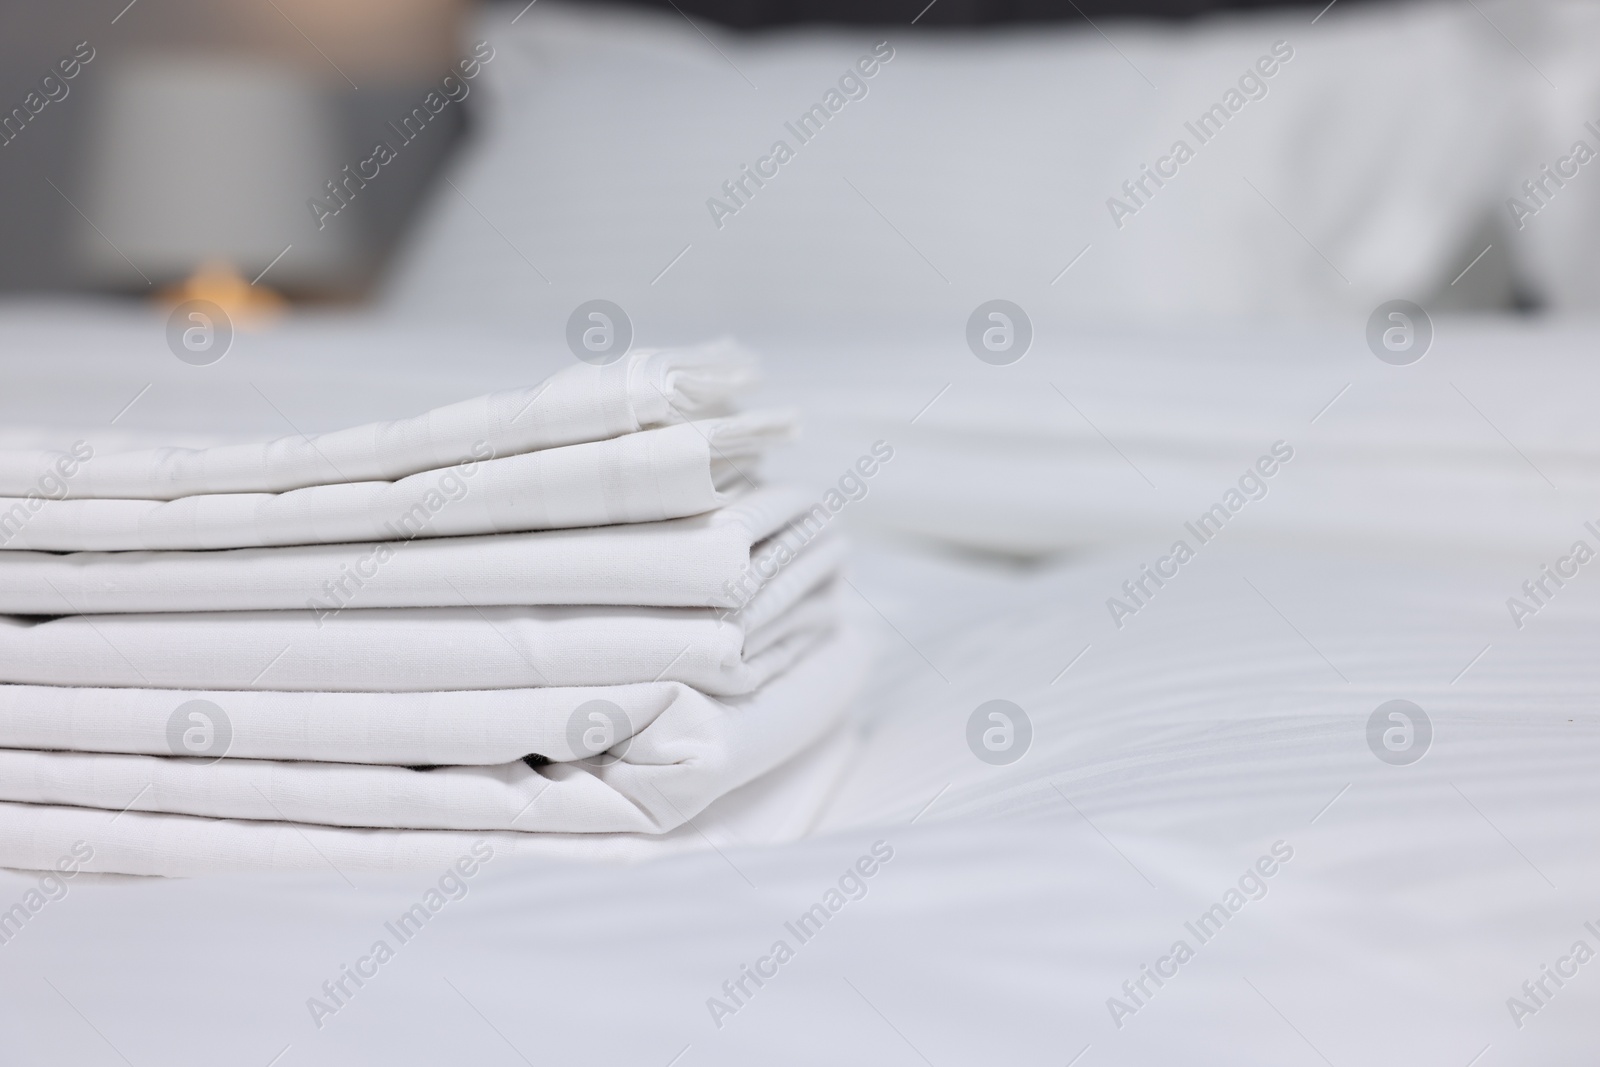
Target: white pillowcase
(970,168)
(1550,229)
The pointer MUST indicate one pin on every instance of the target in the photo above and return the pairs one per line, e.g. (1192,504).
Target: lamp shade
(194,160)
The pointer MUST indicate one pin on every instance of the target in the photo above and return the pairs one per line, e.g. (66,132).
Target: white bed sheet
(666,773)
(1010,911)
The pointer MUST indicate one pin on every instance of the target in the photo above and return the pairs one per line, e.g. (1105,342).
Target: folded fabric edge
(733,441)
(680,384)
(650,388)
(778,807)
(652,782)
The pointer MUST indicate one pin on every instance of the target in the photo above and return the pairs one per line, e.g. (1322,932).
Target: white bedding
(671,768)
(664,473)
(953,171)
(408,650)
(1222,718)
(697,561)
(459,727)
(1103,437)
(778,807)
(583,403)
(1394,934)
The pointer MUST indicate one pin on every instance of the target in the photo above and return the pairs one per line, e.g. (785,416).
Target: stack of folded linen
(566,620)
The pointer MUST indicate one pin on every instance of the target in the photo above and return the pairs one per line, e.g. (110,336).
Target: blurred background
(198,129)
(190,141)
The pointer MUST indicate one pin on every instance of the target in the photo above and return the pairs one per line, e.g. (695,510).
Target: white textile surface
(1548,234)
(697,561)
(1102,438)
(418,649)
(1413,906)
(581,403)
(638,477)
(452,726)
(1383,132)
(664,774)
(464,726)
(1167,756)
(776,807)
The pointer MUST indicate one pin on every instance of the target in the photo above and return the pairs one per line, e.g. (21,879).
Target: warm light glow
(247,305)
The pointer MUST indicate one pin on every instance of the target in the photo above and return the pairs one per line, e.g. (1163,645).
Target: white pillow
(973,167)
(1550,229)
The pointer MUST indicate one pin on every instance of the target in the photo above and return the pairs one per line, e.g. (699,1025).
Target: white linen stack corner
(564,620)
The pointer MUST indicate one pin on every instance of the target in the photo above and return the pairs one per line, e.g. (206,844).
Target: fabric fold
(651,782)
(561,621)
(462,726)
(779,806)
(423,649)
(646,389)
(665,473)
(696,561)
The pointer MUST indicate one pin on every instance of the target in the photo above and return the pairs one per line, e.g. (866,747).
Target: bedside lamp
(199,172)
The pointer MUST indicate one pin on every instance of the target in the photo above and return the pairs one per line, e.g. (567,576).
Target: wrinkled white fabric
(690,562)
(647,388)
(664,774)
(656,474)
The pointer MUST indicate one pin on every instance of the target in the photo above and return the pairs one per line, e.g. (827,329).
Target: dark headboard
(760,14)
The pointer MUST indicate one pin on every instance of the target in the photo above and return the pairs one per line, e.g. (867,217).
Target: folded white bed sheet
(419,649)
(662,473)
(704,560)
(466,727)
(648,388)
(776,807)
(664,774)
